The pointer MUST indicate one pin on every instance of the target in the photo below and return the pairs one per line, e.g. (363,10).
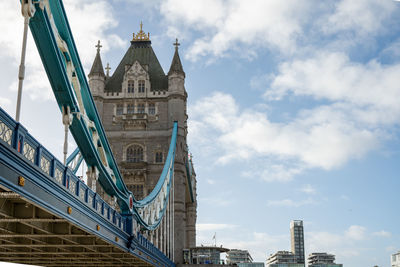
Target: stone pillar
(191,217)
(179,213)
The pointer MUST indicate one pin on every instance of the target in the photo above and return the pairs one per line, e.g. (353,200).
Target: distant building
(281,257)
(322,260)
(238,256)
(203,255)
(297,240)
(395,260)
(294,258)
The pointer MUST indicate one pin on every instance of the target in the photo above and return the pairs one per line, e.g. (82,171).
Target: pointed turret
(176,65)
(176,88)
(97,67)
(97,78)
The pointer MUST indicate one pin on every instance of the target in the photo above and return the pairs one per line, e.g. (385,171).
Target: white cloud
(332,76)
(347,244)
(210,181)
(308,189)
(272,171)
(382,233)
(291,203)
(369,19)
(356,232)
(225,24)
(36,84)
(96,27)
(322,137)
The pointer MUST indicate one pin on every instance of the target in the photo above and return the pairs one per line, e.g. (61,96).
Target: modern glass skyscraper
(297,240)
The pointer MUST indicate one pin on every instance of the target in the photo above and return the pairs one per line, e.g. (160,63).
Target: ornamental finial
(141,35)
(98,46)
(108,69)
(176,44)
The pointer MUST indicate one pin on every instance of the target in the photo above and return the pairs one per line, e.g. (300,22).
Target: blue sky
(293,112)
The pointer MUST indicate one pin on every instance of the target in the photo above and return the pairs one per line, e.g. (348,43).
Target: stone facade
(138,105)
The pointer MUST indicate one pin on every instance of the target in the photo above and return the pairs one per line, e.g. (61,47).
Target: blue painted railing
(62,183)
(16,136)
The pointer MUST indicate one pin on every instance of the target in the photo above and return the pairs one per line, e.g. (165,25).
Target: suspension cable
(27,10)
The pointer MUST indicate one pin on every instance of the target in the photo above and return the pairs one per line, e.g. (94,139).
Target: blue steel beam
(55,63)
(59,55)
(75,158)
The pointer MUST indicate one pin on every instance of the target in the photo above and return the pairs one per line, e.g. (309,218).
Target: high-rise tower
(297,240)
(138,105)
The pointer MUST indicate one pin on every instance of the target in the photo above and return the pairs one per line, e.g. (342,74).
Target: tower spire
(176,65)
(97,67)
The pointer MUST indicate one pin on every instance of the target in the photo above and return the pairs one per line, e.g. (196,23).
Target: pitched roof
(97,67)
(176,65)
(142,52)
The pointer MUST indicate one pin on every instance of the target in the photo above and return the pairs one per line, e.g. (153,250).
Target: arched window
(134,154)
(159,157)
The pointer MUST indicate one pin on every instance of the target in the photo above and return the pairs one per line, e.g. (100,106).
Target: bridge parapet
(16,136)
(30,170)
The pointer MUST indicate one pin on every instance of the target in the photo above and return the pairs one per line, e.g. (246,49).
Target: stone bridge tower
(138,104)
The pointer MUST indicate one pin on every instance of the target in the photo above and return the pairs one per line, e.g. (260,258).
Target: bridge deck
(49,217)
(31,235)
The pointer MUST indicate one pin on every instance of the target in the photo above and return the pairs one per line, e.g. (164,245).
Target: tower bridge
(138,205)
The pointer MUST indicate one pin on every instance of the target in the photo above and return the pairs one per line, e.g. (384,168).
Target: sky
(293,112)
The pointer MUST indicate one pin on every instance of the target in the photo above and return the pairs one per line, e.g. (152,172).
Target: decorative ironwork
(58,175)
(29,152)
(90,200)
(69,210)
(72,187)
(5,133)
(82,193)
(45,165)
(141,35)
